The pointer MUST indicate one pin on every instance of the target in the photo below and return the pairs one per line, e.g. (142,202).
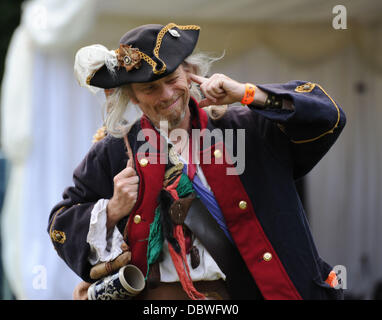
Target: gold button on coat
(243,205)
(267,256)
(137,219)
(143,162)
(217,153)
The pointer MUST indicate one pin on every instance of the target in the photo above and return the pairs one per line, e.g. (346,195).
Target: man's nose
(167,92)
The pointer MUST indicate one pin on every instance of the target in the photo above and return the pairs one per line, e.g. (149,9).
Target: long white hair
(120,113)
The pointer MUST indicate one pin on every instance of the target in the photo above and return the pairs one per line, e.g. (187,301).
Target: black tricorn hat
(148,53)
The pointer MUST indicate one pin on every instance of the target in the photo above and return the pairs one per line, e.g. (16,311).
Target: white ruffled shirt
(106,247)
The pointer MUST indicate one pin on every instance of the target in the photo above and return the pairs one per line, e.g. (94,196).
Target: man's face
(165,99)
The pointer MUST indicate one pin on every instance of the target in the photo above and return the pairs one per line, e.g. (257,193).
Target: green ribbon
(155,241)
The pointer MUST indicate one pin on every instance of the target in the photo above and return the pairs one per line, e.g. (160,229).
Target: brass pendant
(173,156)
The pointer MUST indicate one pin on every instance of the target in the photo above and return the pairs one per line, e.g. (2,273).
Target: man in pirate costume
(193,227)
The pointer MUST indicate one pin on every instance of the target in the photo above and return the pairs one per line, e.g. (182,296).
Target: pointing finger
(197,79)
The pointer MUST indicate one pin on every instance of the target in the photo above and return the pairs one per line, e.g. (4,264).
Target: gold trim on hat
(135,51)
(160,36)
(158,44)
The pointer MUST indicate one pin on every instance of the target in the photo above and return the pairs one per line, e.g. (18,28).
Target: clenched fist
(124,196)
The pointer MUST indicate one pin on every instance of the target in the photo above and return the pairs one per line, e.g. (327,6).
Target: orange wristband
(249,94)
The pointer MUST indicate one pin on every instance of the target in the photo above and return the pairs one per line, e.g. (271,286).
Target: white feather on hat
(89,59)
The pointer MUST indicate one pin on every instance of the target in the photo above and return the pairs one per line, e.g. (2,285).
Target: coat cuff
(315,113)
(103,246)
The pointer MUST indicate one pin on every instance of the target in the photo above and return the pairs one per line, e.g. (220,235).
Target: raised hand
(219,89)
(124,196)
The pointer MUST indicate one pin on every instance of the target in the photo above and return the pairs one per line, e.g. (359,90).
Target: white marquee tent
(48,121)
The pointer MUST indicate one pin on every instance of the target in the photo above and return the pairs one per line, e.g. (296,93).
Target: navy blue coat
(261,206)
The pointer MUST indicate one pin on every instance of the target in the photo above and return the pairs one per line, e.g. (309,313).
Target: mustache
(166,104)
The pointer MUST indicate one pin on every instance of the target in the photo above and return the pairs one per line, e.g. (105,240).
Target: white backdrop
(343,190)
(48,120)
(64,119)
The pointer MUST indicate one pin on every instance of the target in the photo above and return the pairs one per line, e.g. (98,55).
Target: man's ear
(188,68)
